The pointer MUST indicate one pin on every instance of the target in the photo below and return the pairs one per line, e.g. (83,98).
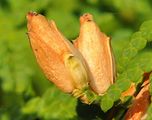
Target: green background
(25,94)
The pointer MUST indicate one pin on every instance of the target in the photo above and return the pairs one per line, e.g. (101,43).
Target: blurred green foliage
(25,94)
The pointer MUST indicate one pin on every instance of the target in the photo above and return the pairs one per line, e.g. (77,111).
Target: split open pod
(57,57)
(96,49)
(64,65)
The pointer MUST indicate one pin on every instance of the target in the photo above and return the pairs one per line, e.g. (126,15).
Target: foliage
(24,92)
(134,63)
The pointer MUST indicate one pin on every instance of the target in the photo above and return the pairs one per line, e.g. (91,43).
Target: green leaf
(134,65)
(51,105)
(138,41)
(122,82)
(56,105)
(149,115)
(146,30)
(114,92)
(106,103)
(134,74)
(32,106)
(129,52)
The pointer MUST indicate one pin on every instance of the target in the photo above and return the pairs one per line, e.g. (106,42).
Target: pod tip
(31,14)
(86,18)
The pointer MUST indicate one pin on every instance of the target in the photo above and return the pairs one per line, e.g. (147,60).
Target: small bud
(57,57)
(95,48)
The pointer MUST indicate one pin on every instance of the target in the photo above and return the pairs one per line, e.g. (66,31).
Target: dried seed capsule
(140,105)
(95,48)
(59,60)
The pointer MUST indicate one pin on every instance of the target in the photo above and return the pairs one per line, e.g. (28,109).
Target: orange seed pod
(57,57)
(95,48)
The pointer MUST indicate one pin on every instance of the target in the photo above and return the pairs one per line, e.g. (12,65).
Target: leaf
(146,29)
(134,74)
(134,65)
(51,105)
(138,41)
(106,103)
(31,106)
(149,115)
(114,92)
(123,83)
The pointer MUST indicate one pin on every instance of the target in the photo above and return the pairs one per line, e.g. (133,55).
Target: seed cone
(59,60)
(95,48)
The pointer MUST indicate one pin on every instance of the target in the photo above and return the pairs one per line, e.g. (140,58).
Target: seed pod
(57,57)
(95,48)
(140,105)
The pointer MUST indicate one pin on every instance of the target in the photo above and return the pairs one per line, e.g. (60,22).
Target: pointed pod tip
(30,15)
(87,17)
